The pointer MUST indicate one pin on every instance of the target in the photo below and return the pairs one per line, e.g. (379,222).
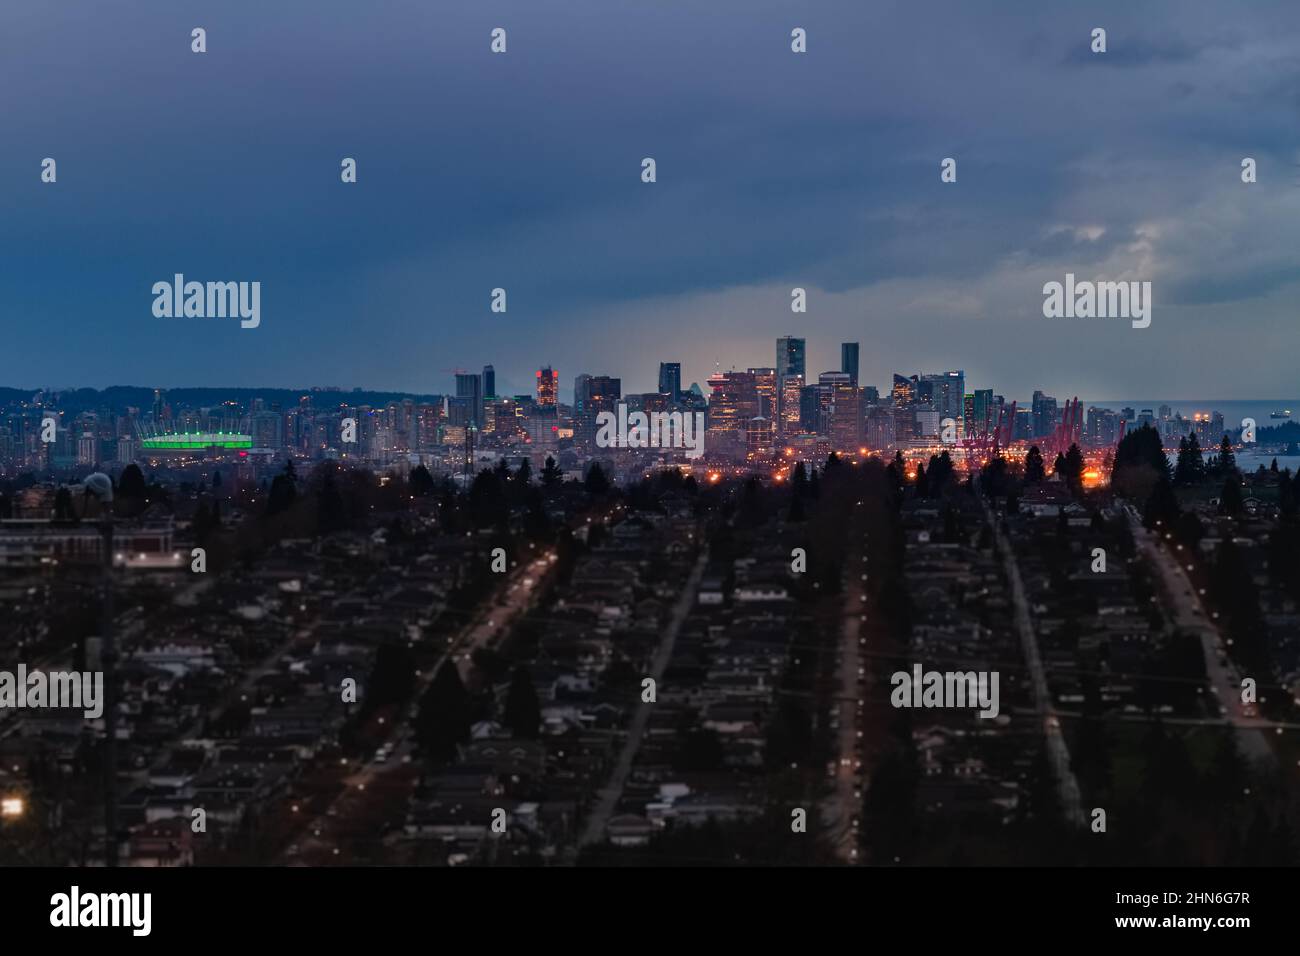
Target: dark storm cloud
(522,171)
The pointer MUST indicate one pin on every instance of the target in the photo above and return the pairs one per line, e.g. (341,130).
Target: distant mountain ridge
(119,397)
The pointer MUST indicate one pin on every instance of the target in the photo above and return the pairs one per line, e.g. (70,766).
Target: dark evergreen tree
(523,712)
(1227,460)
(131,484)
(422,483)
(1162,506)
(799,480)
(443,721)
(1139,464)
(330,513)
(551,474)
(1034,469)
(284,490)
(1190,467)
(1230,502)
(596,483)
(1072,469)
(392,678)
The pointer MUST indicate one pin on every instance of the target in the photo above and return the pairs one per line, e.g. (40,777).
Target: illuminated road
(516,594)
(841,809)
(1184,606)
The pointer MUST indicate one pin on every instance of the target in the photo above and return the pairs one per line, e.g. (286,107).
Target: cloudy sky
(775,170)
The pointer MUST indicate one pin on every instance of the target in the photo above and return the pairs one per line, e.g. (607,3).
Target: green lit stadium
(194,439)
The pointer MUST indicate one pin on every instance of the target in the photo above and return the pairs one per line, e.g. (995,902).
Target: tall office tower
(548,386)
(1043,412)
(945,393)
(904,394)
(880,430)
(849,360)
(1164,412)
(470,388)
(489,382)
(983,418)
(268,430)
(601,394)
(790,357)
(1023,427)
(1216,428)
(815,408)
(844,416)
(788,404)
(157,405)
(733,400)
(1103,428)
(670,380)
(427,419)
(870,395)
(581,394)
(765,383)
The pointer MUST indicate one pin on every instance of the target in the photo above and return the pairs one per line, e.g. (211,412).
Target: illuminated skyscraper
(788,421)
(548,386)
(765,383)
(790,357)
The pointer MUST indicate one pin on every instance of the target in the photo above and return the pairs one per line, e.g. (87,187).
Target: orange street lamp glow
(11,807)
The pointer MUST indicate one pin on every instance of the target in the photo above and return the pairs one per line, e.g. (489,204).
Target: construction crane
(986,444)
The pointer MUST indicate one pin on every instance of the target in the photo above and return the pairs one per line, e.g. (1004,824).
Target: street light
(12,807)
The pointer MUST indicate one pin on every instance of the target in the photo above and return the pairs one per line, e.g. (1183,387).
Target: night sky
(774,170)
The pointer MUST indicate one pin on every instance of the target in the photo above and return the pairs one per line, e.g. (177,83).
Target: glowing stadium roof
(170,441)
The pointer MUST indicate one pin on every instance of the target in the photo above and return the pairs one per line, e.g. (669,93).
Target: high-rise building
(944,393)
(791,387)
(1043,414)
(1103,429)
(548,386)
(849,360)
(733,401)
(601,394)
(469,388)
(765,383)
(489,382)
(670,380)
(983,418)
(904,394)
(87,449)
(880,430)
(581,394)
(844,413)
(790,357)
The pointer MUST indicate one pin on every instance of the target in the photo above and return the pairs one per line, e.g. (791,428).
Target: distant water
(1233,411)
